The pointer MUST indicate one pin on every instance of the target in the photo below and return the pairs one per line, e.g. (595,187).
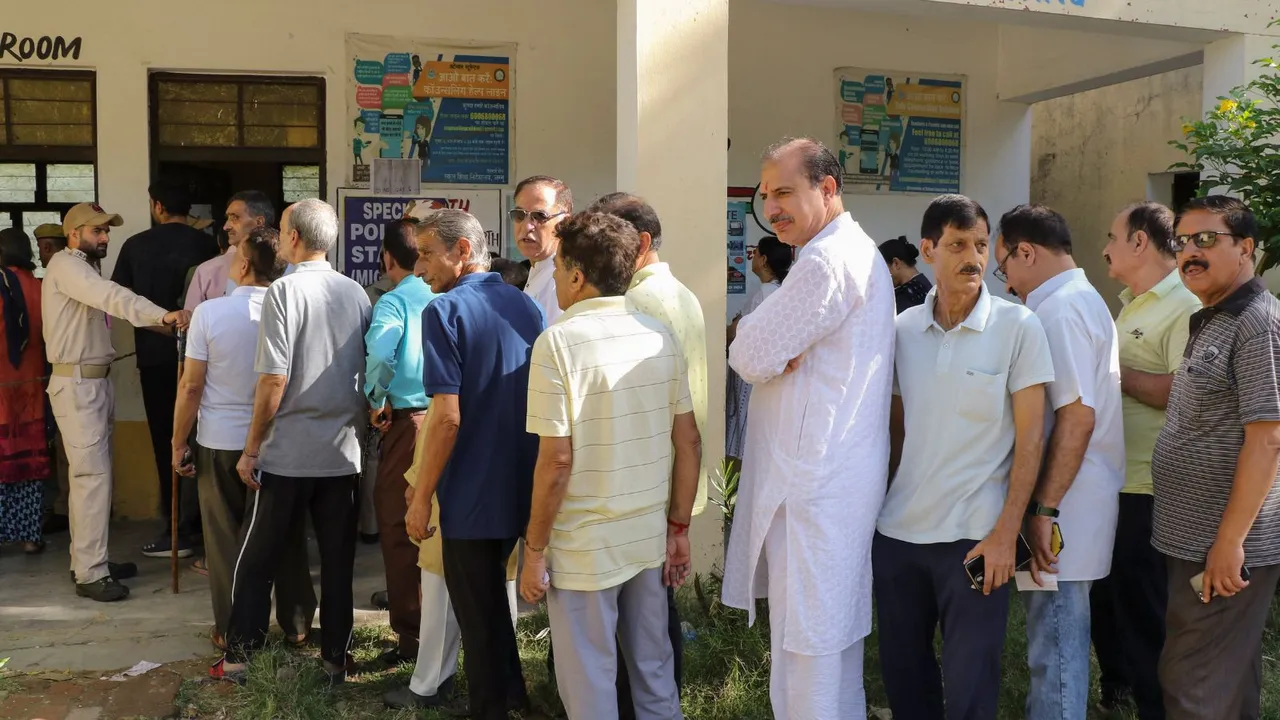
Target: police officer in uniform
(76,299)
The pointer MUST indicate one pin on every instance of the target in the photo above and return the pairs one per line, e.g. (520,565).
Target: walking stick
(173,494)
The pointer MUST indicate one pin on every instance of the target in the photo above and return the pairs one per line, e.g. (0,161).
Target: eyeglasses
(999,272)
(1204,239)
(539,217)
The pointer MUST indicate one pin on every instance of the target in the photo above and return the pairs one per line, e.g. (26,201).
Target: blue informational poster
(737,246)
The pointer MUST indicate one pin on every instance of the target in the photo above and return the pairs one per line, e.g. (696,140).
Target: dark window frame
(57,154)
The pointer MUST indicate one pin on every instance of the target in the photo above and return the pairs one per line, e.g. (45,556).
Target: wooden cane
(173,495)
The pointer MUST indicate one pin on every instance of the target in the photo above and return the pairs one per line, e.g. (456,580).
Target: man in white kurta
(819,352)
(541,202)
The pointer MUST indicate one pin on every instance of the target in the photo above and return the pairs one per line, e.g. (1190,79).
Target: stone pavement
(44,626)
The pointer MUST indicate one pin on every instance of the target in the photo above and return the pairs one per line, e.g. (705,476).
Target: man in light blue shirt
(397,406)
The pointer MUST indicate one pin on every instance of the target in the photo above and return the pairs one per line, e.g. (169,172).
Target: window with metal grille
(47,115)
(196,111)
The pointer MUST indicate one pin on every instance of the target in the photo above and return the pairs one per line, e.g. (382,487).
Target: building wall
(1095,152)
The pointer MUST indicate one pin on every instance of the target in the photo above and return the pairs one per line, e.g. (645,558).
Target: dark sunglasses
(539,217)
(1203,240)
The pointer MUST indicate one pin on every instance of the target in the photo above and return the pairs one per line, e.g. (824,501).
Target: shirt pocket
(1210,387)
(981,396)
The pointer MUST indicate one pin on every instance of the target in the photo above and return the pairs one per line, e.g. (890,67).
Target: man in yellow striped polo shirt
(616,477)
(1128,607)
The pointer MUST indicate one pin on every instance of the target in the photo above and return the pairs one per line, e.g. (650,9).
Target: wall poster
(447,104)
(899,133)
(362,217)
(737,246)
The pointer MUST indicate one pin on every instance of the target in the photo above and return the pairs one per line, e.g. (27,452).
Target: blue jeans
(1058,652)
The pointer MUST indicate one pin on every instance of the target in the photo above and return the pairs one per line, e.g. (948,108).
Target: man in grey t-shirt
(303,448)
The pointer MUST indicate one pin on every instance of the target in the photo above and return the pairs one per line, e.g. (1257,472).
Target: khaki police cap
(49,230)
(89,214)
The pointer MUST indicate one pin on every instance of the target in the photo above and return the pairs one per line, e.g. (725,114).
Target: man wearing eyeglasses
(1217,504)
(541,203)
(1128,606)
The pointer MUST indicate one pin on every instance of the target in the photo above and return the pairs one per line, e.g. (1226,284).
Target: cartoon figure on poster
(447,108)
(905,134)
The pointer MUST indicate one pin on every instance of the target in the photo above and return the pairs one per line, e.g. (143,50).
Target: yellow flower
(1188,128)
(1227,106)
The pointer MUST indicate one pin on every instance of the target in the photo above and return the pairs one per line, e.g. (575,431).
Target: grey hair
(316,223)
(451,225)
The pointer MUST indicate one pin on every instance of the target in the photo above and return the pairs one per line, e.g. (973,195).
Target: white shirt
(542,288)
(818,440)
(1086,363)
(224,334)
(957,399)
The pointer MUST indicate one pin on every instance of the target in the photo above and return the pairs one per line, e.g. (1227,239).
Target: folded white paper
(1026,584)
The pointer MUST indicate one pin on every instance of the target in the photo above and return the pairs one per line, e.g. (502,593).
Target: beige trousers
(84,410)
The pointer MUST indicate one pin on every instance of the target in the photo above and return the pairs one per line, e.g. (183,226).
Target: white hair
(451,225)
(316,222)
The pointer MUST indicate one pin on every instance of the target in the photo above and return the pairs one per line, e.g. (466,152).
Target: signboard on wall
(448,105)
(899,133)
(737,246)
(363,216)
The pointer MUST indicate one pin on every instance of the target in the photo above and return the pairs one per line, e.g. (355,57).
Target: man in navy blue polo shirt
(480,323)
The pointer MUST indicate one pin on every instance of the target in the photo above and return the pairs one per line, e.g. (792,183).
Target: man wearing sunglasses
(1217,504)
(541,203)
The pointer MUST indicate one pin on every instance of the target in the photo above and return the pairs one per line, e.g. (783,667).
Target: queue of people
(926,446)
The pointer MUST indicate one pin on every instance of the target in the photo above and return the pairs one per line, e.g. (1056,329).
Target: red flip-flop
(219,672)
(200,567)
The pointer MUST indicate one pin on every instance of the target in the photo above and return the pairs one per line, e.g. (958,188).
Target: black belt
(406,413)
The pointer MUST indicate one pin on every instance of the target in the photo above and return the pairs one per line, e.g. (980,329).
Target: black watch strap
(1035,508)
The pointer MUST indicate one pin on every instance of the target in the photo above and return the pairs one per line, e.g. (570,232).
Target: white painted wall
(564,74)
(781,60)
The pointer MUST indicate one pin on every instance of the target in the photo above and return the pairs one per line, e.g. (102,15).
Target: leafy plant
(725,483)
(1236,150)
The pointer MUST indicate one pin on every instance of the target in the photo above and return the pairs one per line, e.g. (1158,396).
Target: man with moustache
(819,352)
(541,203)
(966,431)
(75,300)
(1217,503)
(247,210)
(1128,606)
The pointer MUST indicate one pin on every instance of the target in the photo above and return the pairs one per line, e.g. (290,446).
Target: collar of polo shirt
(976,319)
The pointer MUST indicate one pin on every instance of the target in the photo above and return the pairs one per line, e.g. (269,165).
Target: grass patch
(726,672)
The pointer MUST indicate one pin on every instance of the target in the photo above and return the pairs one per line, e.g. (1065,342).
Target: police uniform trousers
(84,408)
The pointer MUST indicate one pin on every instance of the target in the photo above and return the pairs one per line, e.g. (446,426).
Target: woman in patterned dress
(770,263)
(24,452)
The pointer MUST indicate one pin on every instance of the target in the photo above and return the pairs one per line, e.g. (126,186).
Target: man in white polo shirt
(1079,485)
(967,433)
(617,472)
(218,379)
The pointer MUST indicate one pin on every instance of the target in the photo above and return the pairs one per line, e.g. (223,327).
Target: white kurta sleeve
(810,305)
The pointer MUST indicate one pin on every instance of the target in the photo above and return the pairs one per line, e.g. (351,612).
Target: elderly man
(1217,503)
(1128,606)
(477,341)
(74,302)
(541,203)
(218,381)
(1079,485)
(248,210)
(605,534)
(398,404)
(302,452)
(819,352)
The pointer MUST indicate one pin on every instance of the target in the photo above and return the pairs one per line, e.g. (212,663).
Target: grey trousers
(223,502)
(584,626)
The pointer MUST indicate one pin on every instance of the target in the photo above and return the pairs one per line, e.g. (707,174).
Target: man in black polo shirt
(155,264)
(1217,506)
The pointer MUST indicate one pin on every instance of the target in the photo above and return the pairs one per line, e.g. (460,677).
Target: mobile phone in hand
(1197,582)
(976,568)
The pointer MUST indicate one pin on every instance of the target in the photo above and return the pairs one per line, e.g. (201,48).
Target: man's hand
(1222,571)
(676,570)
(381,418)
(1039,530)
(793,364)
(533,577)
(417,521)
(998,551)
(182,461)
(245,467)
(179,318)
(408,495)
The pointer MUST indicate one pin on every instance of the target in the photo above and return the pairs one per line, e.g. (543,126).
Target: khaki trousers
(84,409)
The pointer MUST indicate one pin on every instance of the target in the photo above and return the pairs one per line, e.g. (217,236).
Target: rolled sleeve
(441,361)
(548,414)
(274,341)
(198,336)
(1255,368)
(1070,347)
(1032,360)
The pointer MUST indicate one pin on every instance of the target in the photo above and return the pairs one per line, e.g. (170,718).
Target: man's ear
(646,243)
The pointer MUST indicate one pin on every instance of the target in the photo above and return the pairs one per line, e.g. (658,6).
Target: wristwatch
(1036,508)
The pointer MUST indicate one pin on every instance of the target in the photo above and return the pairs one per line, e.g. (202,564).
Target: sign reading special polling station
(898,132)
(448,105)
(363,217)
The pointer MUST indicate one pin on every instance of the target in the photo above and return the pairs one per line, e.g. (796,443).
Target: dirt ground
(85,696)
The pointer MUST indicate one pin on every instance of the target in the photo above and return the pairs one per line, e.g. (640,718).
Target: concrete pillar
(673,97)
(1228,63)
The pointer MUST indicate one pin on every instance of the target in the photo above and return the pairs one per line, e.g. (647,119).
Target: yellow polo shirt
(612,379)
(657,293)
(1153,330)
